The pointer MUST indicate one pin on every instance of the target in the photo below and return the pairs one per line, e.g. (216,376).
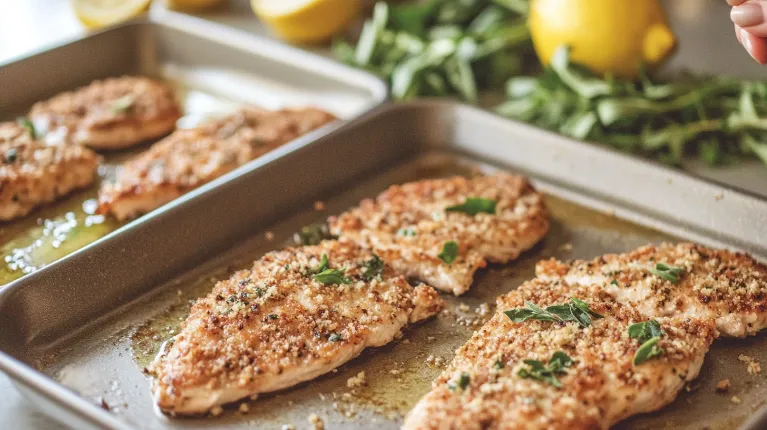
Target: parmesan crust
(728,287)
(408,226)
(275,325)
(601,387)
(112,113)
(33,173)
(189,158)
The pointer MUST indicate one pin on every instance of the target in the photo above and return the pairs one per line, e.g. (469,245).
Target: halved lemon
(306,21)
(102,13)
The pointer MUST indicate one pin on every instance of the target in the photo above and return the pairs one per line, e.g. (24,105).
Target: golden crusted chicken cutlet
(442,230)
(33,173)
(295,315)
(582,377)
(678,279)
(112,113)
(189,158)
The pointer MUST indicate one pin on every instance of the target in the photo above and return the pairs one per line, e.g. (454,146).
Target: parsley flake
(123,104)
(373,268)
(473,206)
(463,382)
(11,155)
(669,273)
(537,370)
(648,333)
(407,232)
(29,125)
(325,275)
(335,337)
(449,252)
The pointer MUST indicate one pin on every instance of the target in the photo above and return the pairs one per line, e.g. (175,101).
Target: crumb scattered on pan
(723,386)
(218,410)
(430,338)
(433,361)
(269,236)
(104,405)
(752,365)
(316,421)
(406,341)
(610,212)
(357,381)
(463,307)
(566,247)
(736,400)
(719,196)
(319,205)
(244,408)
(288,427)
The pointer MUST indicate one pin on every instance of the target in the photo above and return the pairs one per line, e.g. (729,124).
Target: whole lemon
(306,21)
(608,36)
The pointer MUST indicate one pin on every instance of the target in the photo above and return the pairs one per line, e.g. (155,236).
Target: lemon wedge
(306,21)
(102,13)
(193,4)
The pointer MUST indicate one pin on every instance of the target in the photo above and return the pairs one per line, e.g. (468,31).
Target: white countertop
(706,45)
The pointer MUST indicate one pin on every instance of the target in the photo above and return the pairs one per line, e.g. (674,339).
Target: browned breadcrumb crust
(127,102)
(730,287)
(190,158)
(275,325)
(408,226)
(33,173)
(601,388)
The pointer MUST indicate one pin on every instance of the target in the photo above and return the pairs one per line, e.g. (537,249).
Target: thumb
(751,16)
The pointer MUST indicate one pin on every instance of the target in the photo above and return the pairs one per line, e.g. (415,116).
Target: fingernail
(747,15)
(746,42)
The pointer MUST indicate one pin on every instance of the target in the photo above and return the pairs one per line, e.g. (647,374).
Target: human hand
(750,19)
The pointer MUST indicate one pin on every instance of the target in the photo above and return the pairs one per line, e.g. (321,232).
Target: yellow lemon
(608,36)
(101,13)
(193,4)
(306,21)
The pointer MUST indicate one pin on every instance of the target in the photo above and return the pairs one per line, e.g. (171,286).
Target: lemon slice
(102,13)
(306,21)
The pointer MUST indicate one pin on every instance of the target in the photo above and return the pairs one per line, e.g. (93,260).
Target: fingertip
(756,46)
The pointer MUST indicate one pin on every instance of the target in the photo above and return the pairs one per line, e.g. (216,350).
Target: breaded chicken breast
(560,374)
(678,280)
(442,230)
(110,114)
(295,315)
(33,173)
(189,158)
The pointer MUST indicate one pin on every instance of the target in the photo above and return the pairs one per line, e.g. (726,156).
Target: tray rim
(20,373)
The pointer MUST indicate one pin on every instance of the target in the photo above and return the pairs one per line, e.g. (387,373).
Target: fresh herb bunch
(442,47)
(718,119)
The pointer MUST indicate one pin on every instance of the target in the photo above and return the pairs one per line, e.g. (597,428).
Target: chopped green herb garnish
(645,331)
(407,232)
(463,382)
(11,155)
(499,364)
(272,316)
(324,264)
(577,310)
(473,206)
(669,273)
(312,234)
(373,268)
(449,252)
(648,333)
(335,337)
(648,350)
(123,104)
(29,125)
(547,372)
(614,282)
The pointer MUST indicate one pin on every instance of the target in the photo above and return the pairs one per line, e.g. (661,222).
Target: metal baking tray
(213,69)
(75,335)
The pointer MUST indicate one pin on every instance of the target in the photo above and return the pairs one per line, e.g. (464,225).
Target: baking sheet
(91,346)
(213,70)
